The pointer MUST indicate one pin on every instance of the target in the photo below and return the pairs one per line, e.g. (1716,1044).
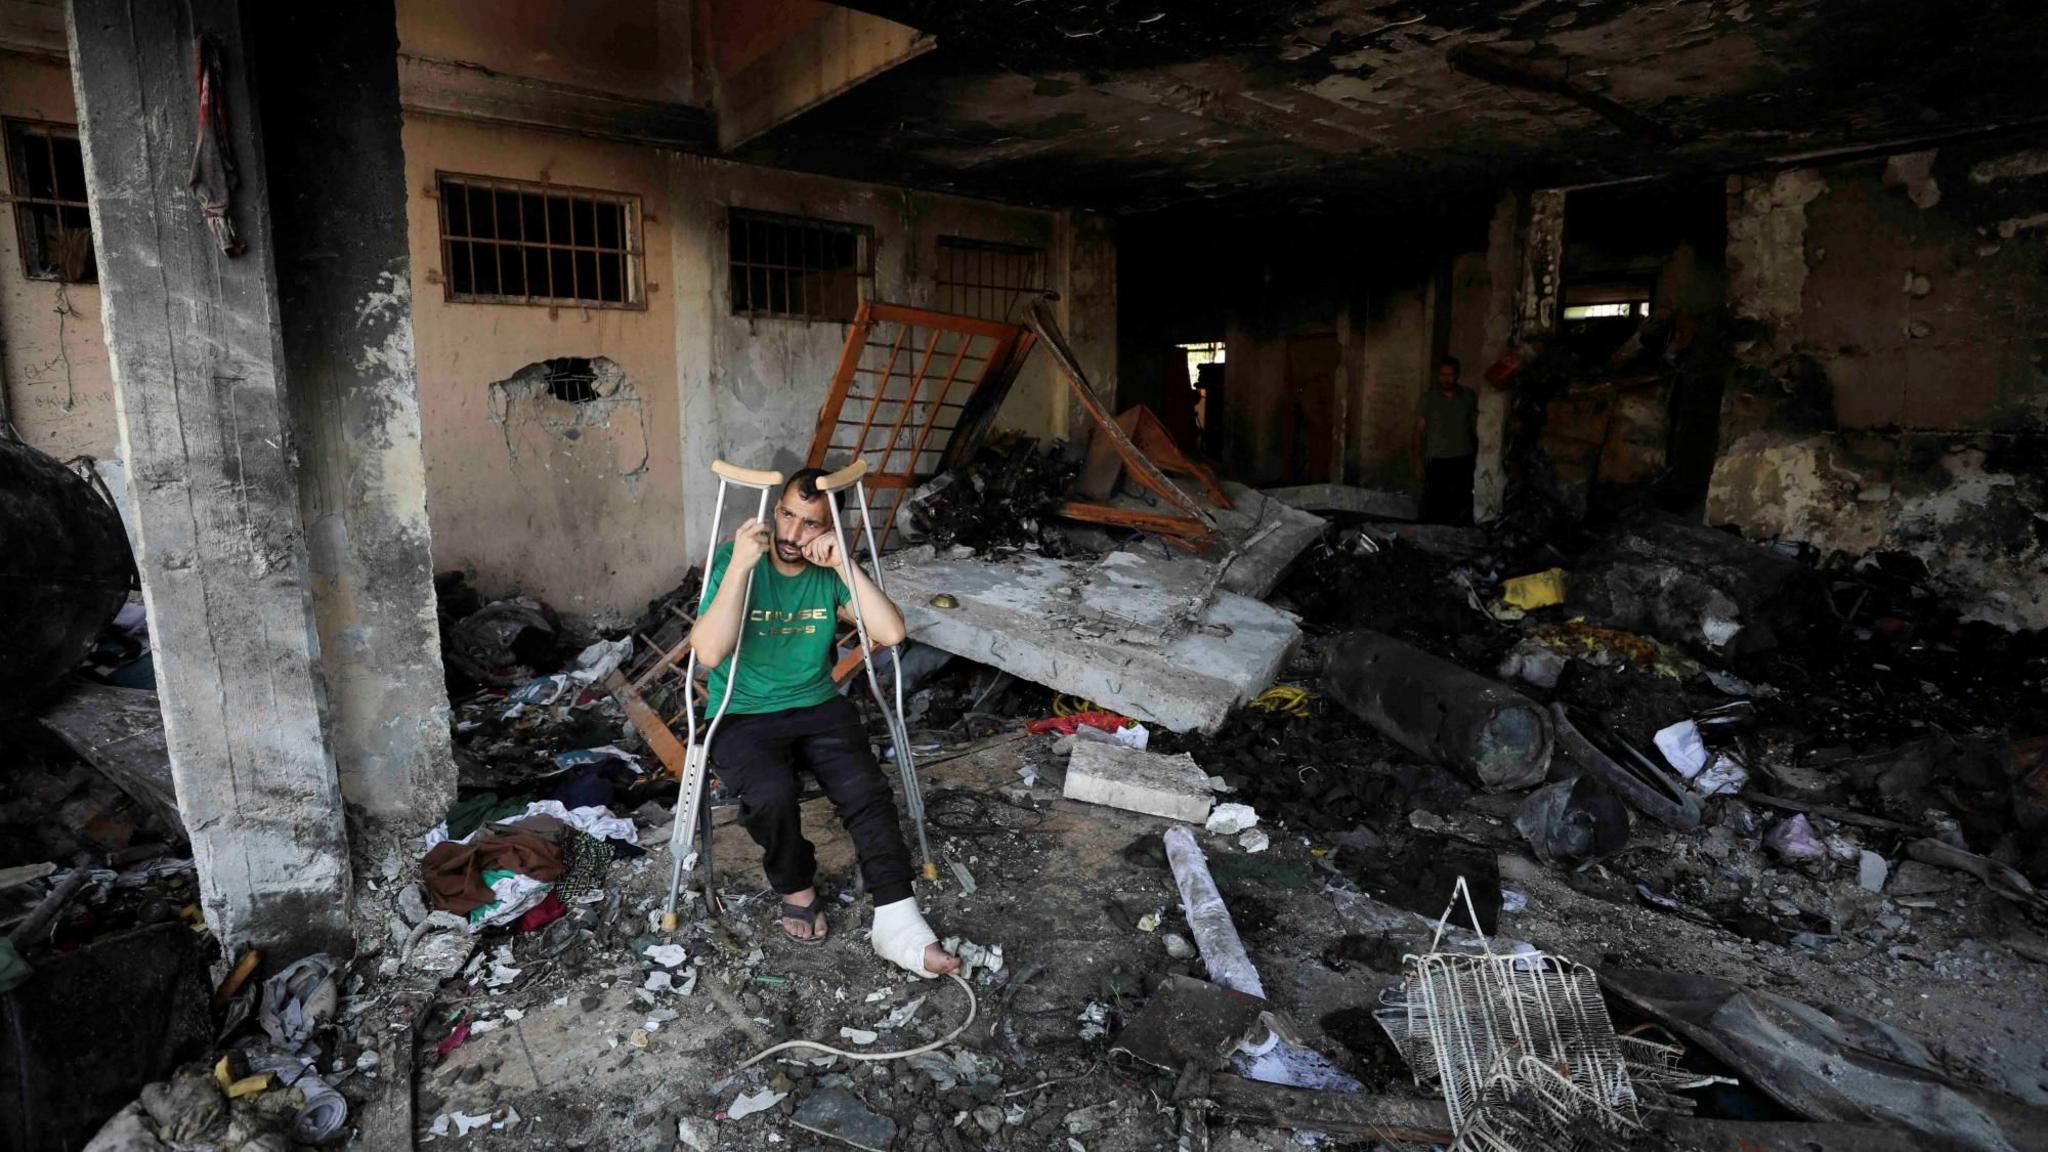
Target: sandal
(814,912)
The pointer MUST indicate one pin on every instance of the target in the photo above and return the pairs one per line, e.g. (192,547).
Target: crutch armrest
(844,478)
(751,477)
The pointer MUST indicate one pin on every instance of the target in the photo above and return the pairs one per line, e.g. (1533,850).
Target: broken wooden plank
(120,733)
(1829,811)
(1146,473)
(660,740)
(1099,475)
(1348,1114)
(1162,523)
(25,874)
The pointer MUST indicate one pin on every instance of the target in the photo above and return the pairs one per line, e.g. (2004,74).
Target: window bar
(576,272)
(547,236)
(447,240)
(498,250)
(522,247)
(469,229)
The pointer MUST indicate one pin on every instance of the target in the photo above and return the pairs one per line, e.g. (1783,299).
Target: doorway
(1312,430)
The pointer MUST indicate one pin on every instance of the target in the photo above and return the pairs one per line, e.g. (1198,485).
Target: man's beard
(787,550)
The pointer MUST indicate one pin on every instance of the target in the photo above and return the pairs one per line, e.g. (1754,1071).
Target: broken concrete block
(1169,786)
(839,1115)
(1344,498)
(1065,624)
(1230,819)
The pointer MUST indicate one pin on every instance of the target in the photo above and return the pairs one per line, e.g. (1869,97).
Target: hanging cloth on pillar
(213,161)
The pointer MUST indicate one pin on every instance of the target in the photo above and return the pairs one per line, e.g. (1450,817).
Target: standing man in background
(1447,447)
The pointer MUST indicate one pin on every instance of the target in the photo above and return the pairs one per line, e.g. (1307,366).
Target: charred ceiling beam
(473,92)
(1485,62)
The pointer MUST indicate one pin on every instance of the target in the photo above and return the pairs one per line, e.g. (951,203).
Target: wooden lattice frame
(914,390)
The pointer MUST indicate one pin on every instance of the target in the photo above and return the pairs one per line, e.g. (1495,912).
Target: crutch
(690,793)
(913,795)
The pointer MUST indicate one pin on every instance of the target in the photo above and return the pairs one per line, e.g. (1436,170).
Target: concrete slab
(1266,534)
(1271,533)
(120,732)
(1345,498)
(1107,630)
(1117,777)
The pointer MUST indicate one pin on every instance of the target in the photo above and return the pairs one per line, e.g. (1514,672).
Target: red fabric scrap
(1065,725)
(541,915)
(453,1040)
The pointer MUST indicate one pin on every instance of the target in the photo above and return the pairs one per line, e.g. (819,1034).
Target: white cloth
(900,936)
(438,834)
(602,659)
(516,893)
(595,820)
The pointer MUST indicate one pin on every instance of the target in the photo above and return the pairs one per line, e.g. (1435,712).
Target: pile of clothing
(521,863)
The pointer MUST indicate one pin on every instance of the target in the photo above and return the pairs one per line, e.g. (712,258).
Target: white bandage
(900,936)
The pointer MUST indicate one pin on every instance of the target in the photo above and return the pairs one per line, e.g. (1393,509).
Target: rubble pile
(1628,748)
(1005,498)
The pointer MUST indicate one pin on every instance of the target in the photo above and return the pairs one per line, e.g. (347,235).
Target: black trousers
(1447,489)
(758,757)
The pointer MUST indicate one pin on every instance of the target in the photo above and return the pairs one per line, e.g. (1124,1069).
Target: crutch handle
(751,477)
(844,478)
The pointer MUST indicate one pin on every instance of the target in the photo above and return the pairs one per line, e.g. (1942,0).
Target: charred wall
(1890,390)
(1331,321)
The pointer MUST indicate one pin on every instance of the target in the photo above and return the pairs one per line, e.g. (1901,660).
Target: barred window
(989,281)
(46,185)
(797,266)
(513,242)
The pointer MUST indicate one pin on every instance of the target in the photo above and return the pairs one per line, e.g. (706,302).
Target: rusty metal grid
(905,386)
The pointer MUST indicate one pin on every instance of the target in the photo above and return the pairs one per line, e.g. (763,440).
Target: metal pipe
(1492,735)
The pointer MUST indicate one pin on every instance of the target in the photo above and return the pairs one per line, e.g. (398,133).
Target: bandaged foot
(901,937)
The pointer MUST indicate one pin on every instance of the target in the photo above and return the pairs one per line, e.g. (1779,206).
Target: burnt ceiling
(1285,107)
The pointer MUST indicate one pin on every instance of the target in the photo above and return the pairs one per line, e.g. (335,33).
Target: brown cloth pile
(454,873)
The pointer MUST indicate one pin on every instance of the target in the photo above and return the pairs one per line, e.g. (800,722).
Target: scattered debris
(839,1115)
(748,1103)
(1830,1063)
(1230,819)
(1208,918)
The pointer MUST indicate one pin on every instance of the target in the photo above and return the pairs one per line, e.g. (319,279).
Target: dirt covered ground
(583,1056)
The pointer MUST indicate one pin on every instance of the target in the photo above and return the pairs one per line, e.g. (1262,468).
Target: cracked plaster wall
(1891,390)
(578,504)
(59,389)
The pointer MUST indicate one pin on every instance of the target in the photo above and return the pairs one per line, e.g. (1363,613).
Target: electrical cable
(1284,699)
(905,1054)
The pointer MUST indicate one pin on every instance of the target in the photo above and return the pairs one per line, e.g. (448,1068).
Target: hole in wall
(571,379)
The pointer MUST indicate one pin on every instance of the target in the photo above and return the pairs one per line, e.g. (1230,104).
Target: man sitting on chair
(786,714)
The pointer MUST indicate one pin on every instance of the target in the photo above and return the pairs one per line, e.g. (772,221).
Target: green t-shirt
(1450,424)
(785,652)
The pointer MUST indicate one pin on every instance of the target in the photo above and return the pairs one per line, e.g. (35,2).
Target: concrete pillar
(271,507)
(1088,316)
(327,85)
(1495,335)
(1539,304)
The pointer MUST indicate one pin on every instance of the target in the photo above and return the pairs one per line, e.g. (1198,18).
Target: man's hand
(749,544)
(823,550)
